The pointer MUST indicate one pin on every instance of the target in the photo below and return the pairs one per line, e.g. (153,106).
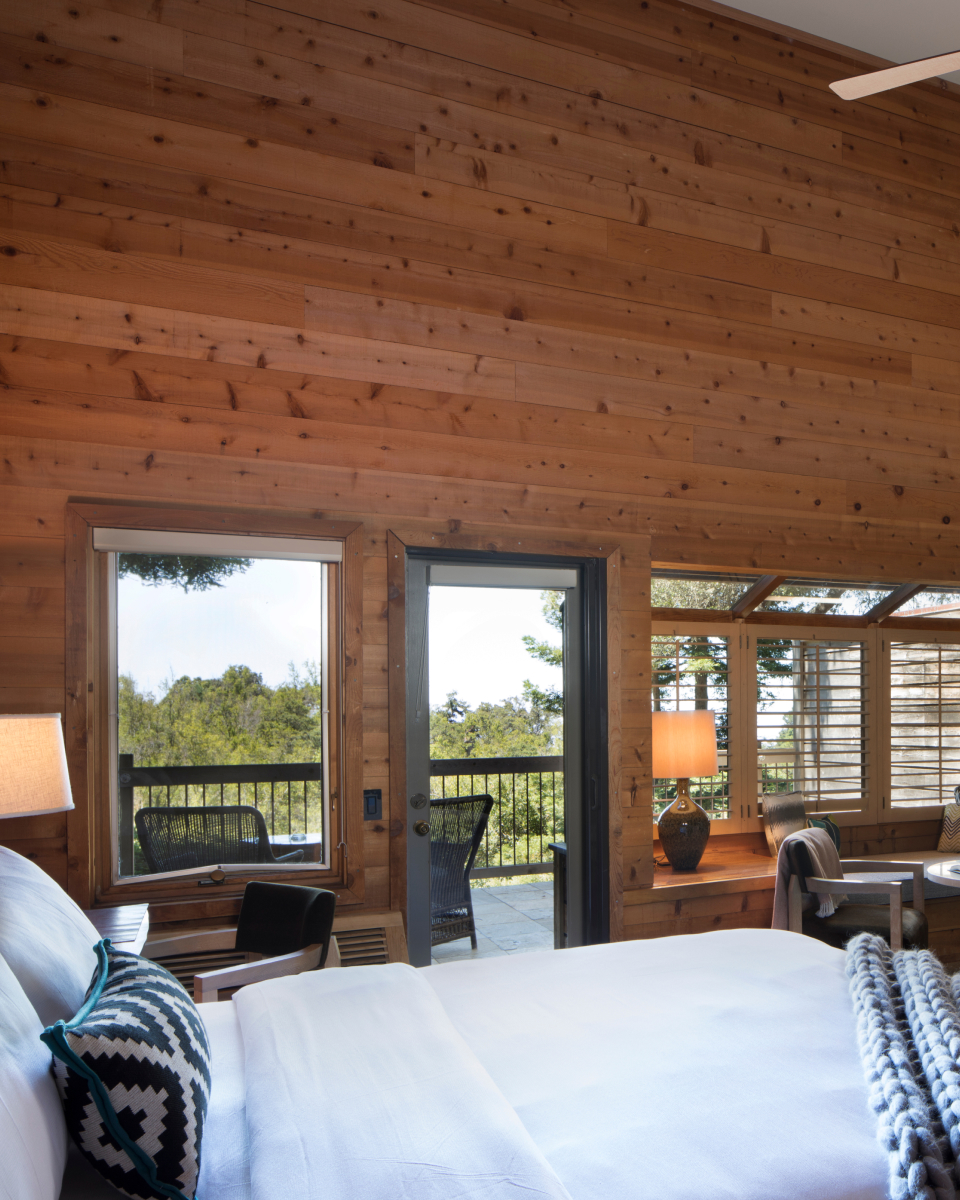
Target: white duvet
(721,1065)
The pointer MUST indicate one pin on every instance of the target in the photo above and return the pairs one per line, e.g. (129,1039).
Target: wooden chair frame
(255,969)
(853,887)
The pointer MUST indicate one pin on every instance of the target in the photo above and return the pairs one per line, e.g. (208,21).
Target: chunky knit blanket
(908,1027)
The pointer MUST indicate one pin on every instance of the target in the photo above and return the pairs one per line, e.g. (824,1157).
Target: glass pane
(819,596)
(220,711)
(698,589)
(932,602)
(924,723)
(811,719)
(496,715)
(692,672)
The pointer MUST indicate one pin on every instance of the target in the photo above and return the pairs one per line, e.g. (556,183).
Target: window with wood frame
(827,687)
(218,699)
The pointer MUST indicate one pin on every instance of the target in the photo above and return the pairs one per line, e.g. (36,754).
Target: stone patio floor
(512,919)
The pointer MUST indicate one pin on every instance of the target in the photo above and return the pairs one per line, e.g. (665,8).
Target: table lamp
(684,745)
(33,766)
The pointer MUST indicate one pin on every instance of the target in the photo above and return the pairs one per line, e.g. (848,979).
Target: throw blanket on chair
(826,865)
(908,1029)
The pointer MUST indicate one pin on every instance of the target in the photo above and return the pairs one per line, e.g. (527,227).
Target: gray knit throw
(908,1029)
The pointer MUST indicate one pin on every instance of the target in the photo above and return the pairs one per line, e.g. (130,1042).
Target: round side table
(946,873)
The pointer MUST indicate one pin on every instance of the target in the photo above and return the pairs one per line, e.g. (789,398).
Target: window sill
(738,862)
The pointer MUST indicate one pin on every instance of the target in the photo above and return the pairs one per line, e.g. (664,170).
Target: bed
(721,1064)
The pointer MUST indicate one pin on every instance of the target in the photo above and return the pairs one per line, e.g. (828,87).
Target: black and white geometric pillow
(133,1069)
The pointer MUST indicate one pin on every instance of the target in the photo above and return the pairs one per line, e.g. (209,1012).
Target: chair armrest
(191,943)
(866,865)
(852,887)
(207,984)
(290,856)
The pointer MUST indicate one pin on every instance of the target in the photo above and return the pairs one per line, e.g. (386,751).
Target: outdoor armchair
(179,839)
(457,827)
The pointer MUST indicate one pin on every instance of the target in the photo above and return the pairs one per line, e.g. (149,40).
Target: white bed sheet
(225,1152)
(721,1064)
(360,1088)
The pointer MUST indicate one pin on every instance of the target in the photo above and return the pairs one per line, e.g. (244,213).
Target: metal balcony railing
(290,795)
(527,808)
(527,792)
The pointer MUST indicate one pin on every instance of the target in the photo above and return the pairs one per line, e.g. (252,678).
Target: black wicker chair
(177,839)
(457,826)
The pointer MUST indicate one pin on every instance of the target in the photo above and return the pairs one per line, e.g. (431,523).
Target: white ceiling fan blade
(859,86)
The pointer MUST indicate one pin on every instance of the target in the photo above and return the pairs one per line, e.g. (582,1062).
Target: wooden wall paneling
(105,130)
(127,326)
(126,38)
(133,87)
(470,270)
(543,343)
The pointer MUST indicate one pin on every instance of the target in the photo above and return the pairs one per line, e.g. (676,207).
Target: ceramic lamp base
(683,829)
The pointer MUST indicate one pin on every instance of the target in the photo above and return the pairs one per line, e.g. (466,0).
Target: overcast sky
(268,617)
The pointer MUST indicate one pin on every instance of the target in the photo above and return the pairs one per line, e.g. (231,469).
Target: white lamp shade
(33,766)
(684,744)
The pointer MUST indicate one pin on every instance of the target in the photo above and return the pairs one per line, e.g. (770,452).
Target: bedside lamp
(684,745)
(33,766)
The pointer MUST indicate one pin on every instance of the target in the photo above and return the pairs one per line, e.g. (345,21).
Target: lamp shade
(684,744)
(33,766)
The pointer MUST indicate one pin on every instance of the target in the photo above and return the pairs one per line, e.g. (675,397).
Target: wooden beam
(756,595)
(883,608)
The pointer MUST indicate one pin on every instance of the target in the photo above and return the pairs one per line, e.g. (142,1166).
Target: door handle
(421,828)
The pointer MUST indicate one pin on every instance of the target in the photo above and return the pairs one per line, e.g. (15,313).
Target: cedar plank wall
(592,271)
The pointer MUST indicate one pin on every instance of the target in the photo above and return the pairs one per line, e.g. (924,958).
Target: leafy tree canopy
(234,719)
(192,572)
(549,699)
(509,729)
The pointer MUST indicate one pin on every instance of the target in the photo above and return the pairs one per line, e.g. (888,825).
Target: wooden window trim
(89,824)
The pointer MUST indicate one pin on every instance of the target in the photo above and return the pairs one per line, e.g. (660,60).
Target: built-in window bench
(733,888)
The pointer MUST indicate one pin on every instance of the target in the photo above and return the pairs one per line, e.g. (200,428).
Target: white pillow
(45,938)
(33,1132)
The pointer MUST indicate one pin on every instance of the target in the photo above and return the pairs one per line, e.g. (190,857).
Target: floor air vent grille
(362,947)
(184,966)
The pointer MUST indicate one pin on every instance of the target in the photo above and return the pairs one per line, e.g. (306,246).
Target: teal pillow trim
(827,825)
(55,1038)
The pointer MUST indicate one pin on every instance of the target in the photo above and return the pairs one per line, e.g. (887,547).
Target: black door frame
(593,884)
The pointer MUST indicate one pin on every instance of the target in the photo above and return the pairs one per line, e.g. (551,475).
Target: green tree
(549,699)
(192,572)
(234,719)
(509,729)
